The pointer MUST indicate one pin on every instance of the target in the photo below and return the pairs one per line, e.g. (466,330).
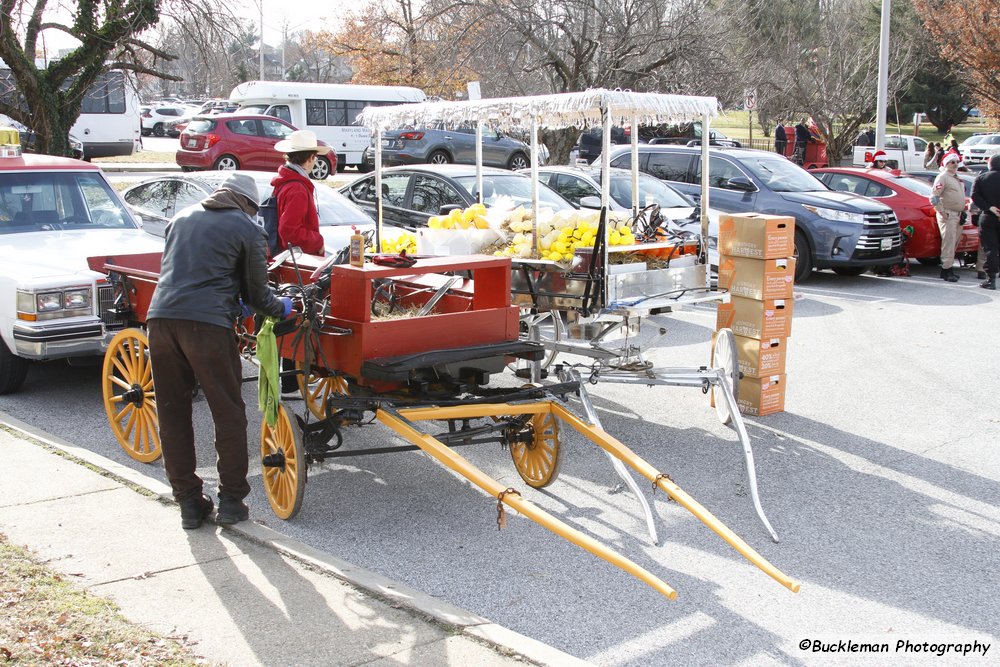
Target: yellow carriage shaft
(401,422)
(398,421)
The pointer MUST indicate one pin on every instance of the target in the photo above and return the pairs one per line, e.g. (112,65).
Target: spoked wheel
(129,400)
(537,462)
(544,328)
(724,356)
(317,389)
(284,466)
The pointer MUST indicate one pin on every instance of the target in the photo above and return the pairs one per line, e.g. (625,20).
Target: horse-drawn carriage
(420,343)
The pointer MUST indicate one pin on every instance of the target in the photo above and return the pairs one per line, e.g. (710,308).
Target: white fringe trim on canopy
(551,111)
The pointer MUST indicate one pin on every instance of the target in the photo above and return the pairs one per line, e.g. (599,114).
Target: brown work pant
(950,225)
(182,352)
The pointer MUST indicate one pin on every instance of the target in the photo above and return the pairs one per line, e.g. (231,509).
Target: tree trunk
(50,114)
(560,143)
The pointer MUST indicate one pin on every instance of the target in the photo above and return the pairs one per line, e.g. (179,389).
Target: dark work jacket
(801,134)
(779,133)
(212,258)
(986,192)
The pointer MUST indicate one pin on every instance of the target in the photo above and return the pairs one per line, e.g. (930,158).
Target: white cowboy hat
(301,140)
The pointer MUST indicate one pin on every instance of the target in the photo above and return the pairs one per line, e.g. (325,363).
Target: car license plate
(192,143)
(887,244)
(386,143)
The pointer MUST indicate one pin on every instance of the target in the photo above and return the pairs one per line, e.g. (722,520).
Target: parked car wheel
(363,168)
(803,257)
(13,370)
(227,163)
(850,270)
(188,169)
(321,169)
(439,157)
(518,161)
(158,130)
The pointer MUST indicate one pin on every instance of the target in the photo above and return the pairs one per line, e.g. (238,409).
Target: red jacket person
(298,220)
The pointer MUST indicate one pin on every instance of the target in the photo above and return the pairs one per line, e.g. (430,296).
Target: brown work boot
(194,511)
(231,511)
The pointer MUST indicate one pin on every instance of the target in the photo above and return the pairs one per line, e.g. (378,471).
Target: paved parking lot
(881,478)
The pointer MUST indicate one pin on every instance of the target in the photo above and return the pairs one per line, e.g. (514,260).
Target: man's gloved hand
(245,310)
(286,304)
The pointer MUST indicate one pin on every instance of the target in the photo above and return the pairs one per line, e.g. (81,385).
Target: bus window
(280,111)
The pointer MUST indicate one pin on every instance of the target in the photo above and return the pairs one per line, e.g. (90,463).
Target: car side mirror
(448,208)
(590,202)
(741,183)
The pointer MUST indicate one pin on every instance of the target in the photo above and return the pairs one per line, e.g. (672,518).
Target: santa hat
(878,155)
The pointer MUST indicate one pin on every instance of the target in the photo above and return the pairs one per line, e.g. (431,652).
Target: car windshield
(47,201)
(253,109)
(921,187)
(780,175)
(514,186)
(201,125)
(993,139)
(335,210)
(650,189)
(973,140)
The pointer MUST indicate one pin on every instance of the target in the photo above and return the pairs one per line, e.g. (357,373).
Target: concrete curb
(137,166)
(461,621)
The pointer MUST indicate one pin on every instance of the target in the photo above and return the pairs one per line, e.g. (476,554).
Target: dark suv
(833,230)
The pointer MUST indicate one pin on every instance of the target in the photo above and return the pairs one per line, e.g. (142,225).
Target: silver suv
(441,146)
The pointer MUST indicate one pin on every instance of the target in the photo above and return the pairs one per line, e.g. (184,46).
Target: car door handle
(447,138)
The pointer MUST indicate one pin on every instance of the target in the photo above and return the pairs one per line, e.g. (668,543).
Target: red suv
(240,141)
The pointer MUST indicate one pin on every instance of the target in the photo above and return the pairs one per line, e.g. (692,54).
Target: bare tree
(112,34)
(819,59)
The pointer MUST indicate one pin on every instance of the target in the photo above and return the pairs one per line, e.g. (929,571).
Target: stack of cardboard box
(757,267)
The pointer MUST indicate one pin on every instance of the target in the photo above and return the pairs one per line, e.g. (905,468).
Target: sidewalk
(246,595)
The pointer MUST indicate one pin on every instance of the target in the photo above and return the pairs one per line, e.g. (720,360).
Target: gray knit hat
(244,185)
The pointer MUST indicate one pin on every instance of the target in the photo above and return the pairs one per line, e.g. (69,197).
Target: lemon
(434,222)
(568,257)
(559,246)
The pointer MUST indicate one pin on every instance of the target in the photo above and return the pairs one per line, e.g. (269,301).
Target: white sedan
(54,214)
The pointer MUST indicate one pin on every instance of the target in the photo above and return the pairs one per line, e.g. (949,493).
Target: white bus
(328,109)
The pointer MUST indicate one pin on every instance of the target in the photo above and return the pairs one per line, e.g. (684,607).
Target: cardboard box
(762,396)
(763,320)
(756,236)
(760,358)
(757,278)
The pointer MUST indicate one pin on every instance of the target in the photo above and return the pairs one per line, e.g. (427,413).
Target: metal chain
(656,479)
(501,515)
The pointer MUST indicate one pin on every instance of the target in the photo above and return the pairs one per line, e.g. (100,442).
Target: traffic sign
(750,100)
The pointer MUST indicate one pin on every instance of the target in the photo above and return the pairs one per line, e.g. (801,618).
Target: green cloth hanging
(269,380)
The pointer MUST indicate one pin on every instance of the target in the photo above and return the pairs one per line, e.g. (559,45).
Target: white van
(328,109)
(108,124)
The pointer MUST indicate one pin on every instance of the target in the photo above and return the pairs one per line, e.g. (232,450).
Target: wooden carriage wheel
(129,399)
(725,358)
(317,389)
(537,462)
(284,465)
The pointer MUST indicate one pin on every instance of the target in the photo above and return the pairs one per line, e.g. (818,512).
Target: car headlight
(32,306)
(834,214)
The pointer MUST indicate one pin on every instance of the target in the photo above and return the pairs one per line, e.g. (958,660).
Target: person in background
(780,139)
(215,256)
(801,139)
(879,160)
(949,202)
(986,195)
(866,138)
(930,157)
(939,153)
(298,219)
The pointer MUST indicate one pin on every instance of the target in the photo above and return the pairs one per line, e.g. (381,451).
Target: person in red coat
(298,220)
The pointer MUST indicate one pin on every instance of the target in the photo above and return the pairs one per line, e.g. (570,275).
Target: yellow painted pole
(620,451)
(450,459)
(475,410)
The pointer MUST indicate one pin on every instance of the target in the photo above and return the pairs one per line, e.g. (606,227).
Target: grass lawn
(48,620)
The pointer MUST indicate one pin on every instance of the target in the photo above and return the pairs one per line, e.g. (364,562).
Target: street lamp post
(260,50)
(883,76)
